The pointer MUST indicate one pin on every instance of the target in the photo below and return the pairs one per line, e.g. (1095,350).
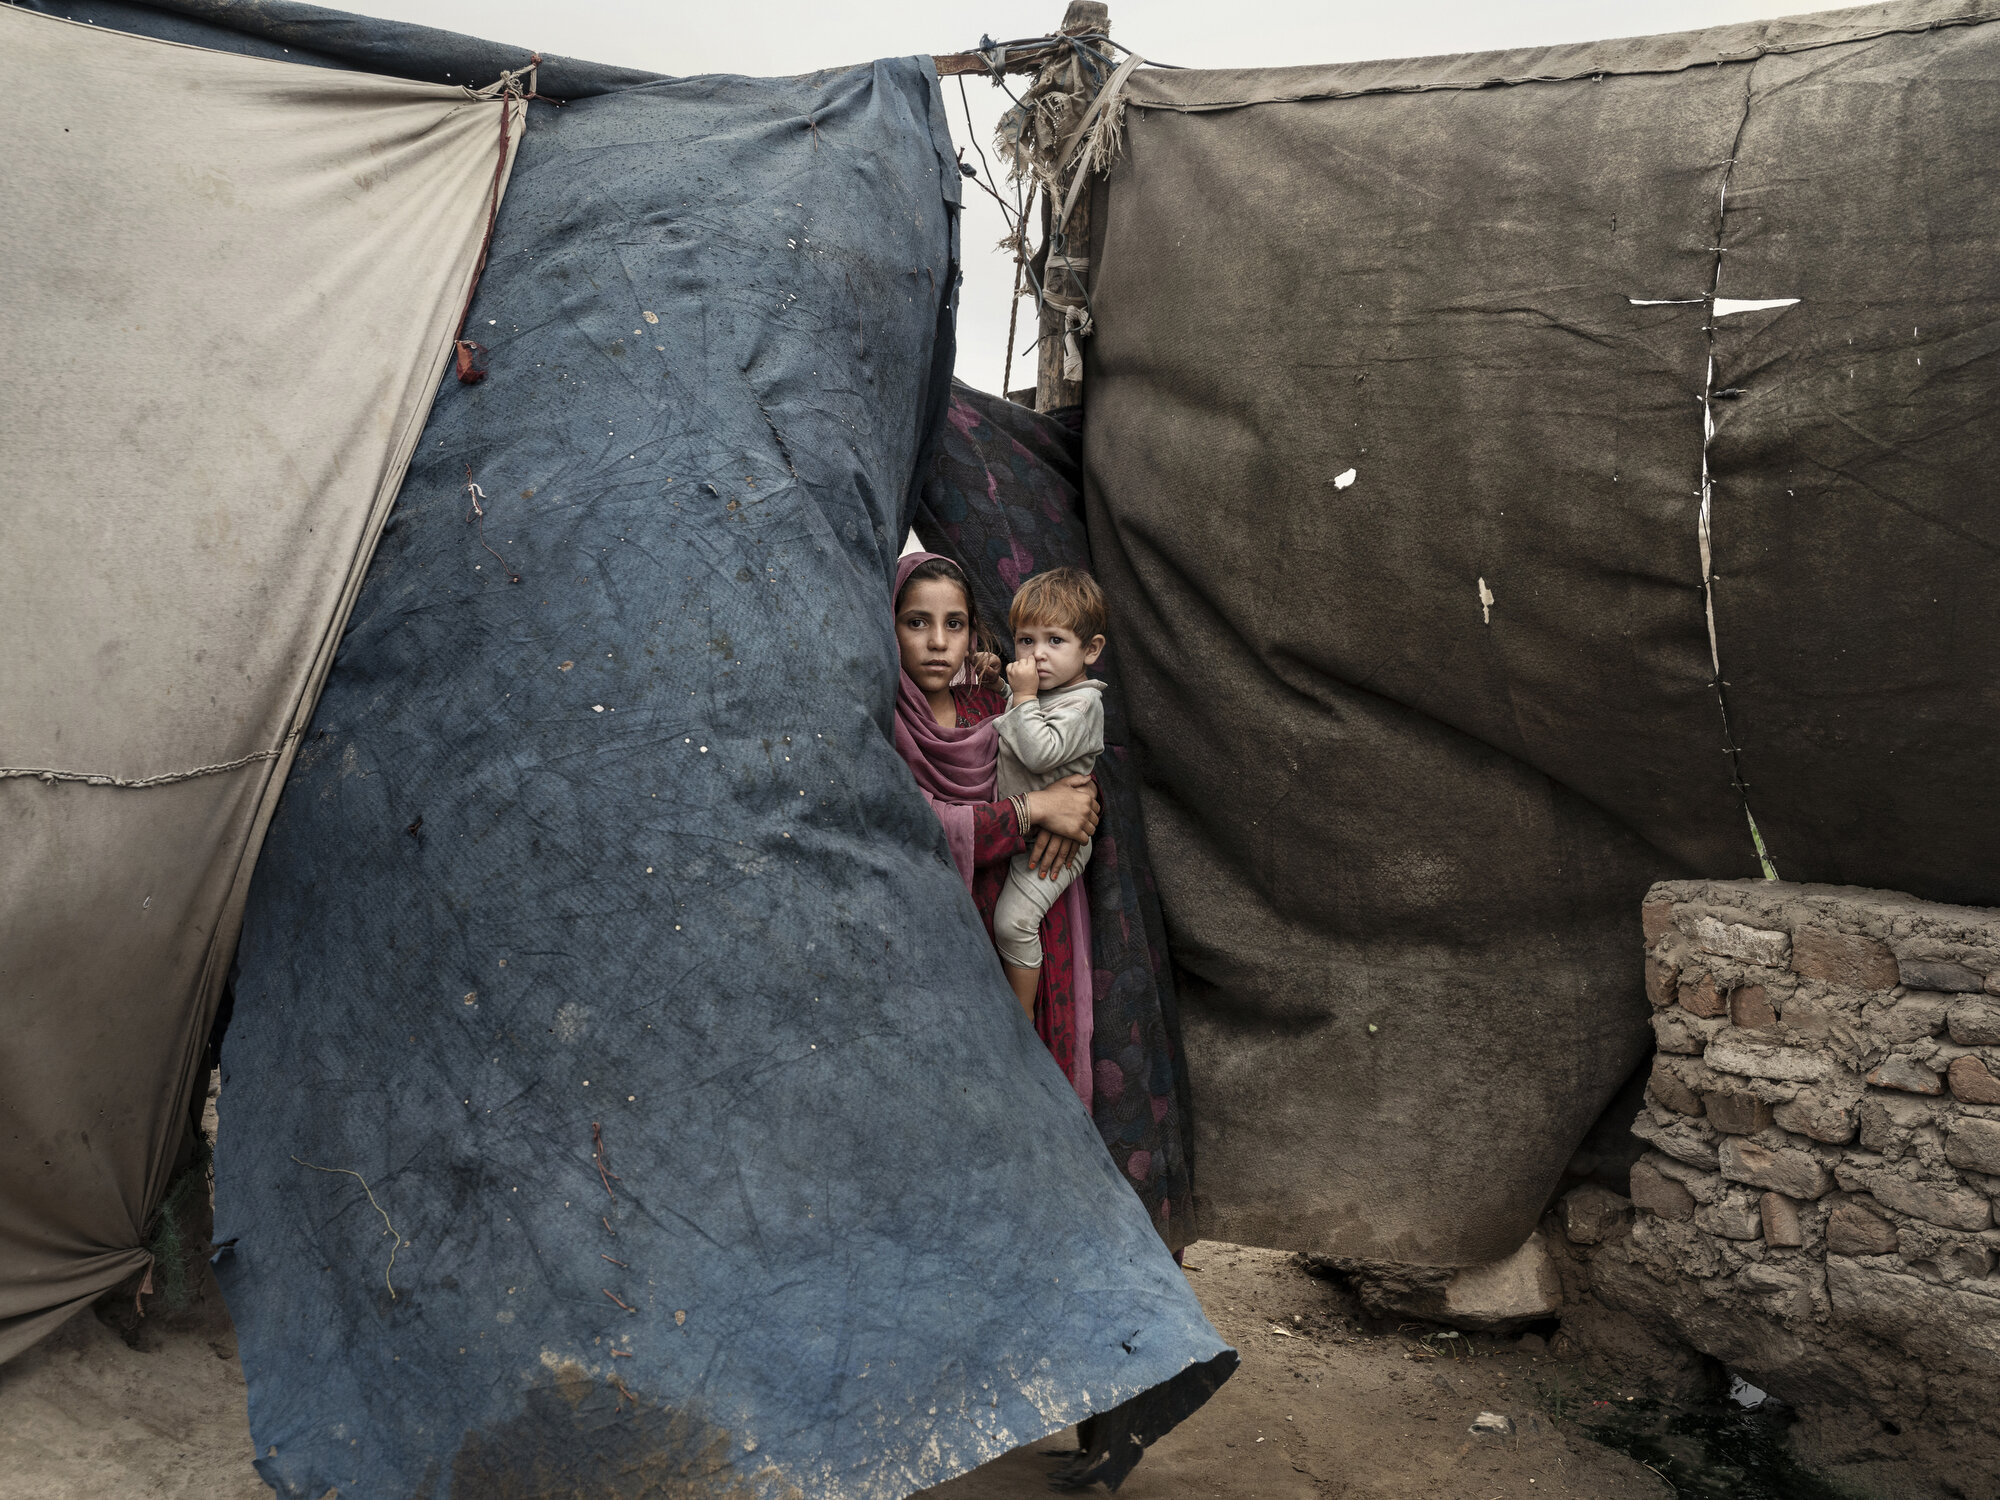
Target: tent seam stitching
(1704,524)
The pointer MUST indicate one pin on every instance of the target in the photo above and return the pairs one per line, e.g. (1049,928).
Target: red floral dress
(996,839)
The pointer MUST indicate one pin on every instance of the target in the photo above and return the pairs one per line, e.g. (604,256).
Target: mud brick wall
(1828,1079)
(1818,1204)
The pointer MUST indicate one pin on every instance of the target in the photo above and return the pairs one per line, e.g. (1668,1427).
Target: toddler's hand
(1022,678)
(985,668)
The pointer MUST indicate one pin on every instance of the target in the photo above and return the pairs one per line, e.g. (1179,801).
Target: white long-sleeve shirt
(1050,736)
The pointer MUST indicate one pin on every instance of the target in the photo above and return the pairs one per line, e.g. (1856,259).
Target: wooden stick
(1052,390)
(1022,60)
(604,1173)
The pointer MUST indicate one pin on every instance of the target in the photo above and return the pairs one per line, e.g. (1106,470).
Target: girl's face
(934,631)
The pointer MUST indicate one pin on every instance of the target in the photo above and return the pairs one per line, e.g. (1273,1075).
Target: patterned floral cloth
(1004,500)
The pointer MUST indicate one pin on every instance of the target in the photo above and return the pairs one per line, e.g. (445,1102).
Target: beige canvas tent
(233,285)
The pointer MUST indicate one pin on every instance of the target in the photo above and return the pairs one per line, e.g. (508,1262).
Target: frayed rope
(96,778)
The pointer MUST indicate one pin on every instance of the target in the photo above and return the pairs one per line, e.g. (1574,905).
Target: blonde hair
(1066,597)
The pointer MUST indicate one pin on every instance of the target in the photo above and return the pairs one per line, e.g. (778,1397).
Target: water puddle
(1732,1448)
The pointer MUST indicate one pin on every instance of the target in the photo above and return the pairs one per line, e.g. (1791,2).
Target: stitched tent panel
(621,1084)
(1004,498)
(1395,471)
(232,285)
(1857,506)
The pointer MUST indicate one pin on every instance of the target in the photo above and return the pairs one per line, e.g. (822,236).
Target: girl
(944,732)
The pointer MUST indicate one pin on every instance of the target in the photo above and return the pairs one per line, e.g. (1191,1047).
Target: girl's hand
(1051,855)
(985,668)
(1023,679)
(1066,813)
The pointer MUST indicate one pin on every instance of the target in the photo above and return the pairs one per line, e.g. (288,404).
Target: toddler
(1053,727)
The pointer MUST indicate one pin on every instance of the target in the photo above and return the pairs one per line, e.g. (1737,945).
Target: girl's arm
(996,833)
(1063,815)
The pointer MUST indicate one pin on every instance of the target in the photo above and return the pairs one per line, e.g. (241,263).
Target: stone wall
(1817,1206)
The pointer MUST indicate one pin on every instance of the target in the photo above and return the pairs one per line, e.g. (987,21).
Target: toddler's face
(1059,654)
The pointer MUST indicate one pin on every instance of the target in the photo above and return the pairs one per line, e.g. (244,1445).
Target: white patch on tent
(1485,603)
(1343,480)
(1726,306)
(569,1019)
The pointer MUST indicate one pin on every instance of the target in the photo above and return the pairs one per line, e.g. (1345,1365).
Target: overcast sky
(771,37)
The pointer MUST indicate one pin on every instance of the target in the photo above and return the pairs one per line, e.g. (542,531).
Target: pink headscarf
(955,769)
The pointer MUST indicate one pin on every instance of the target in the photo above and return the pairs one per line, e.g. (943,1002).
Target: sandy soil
(1321,1408)
(85,1416)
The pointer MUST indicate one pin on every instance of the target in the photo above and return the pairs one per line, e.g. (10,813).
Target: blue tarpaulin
(622,1097)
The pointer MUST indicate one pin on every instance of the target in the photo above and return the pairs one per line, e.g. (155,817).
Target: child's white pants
(1024,900)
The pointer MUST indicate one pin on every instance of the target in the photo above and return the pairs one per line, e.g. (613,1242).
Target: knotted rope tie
(101,778)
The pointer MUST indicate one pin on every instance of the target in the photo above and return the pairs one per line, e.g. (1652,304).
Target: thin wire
(1085,36)
(1000,82)
(1014,311)
(1013,320)
(395,1238)
(997,199)
(972,131)
(1041,302)
(1095,63)
(1151,62)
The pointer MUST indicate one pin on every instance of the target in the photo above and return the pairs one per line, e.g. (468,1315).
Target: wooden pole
(1061,284)
(1019,60)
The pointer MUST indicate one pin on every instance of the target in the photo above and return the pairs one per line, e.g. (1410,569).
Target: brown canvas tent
(1514,474)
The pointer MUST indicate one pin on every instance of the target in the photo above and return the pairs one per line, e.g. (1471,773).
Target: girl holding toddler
(1018,849)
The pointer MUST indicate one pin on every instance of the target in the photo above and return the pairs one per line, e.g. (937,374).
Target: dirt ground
(83,1416)
(1320,1408)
